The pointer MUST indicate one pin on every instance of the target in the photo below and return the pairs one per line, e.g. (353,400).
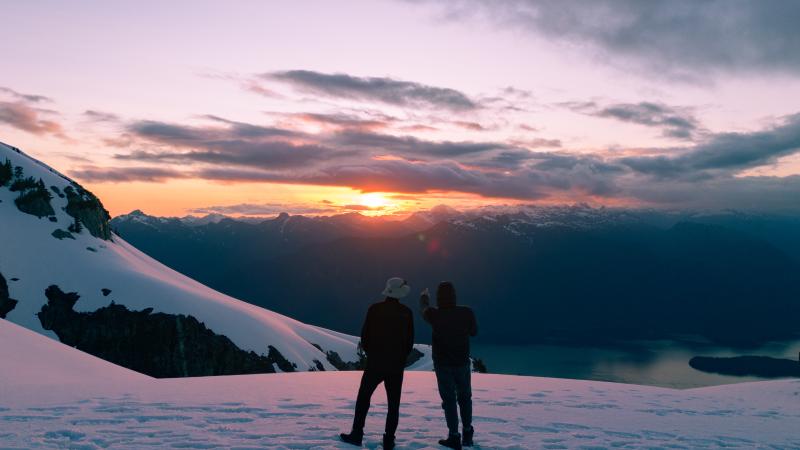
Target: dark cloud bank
(705,172)
(672,37)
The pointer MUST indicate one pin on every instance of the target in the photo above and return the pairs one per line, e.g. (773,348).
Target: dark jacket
(452,328)
(387,336)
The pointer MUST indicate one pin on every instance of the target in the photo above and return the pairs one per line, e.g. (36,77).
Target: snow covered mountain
(53,396)
(68,277)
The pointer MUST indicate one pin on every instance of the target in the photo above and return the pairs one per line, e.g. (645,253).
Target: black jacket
(387,336)
(452,328)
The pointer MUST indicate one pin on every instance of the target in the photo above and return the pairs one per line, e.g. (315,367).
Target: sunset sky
(383,107)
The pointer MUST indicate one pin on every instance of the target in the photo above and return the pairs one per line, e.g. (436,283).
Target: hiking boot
(388,442)
(452,441)
(466,437)
(354,437)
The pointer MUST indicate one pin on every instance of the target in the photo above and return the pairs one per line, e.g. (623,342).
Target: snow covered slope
(31,259)
(30,359)
(307,410)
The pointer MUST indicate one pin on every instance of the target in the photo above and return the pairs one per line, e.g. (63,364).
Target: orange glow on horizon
(184,197)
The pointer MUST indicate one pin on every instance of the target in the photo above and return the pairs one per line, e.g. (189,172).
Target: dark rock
(14,279)
(336,361)
(160,345)
(757,366)
(88,210)
(91,249)
(53,219)
(6,302)
(61,234)
(106,291)
(414,356)
(33,198)
(318,366)
(22,184)
(479,366)
(6,172)
(275,356)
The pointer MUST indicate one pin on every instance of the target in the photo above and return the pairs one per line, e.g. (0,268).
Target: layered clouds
(678,38)
(371,151)
(513,101)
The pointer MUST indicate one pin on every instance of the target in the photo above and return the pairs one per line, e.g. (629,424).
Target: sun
(373,200)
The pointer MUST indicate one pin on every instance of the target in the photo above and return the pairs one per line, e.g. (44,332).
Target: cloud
(776,194)
(682,38)
(343,121)
(412,146)
(415,178)
(725,152)
(373,161)
(678,123)
(232,143)
(361,208)
(100,116)
(24,117)
(261,209)
(30,98)
(472,126)
(376,89)
(94,174)
(537,143)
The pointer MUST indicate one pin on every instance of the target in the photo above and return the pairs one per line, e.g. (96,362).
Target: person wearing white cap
(387,338)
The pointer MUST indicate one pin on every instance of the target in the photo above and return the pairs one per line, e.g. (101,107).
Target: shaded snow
(308,410)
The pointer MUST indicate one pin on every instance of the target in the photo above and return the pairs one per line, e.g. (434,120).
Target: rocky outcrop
(6,172)
(479,366)
(336,361)
(157,344)
(33,197)
(6,302)
(61,234)
(361,364)
(280,361)
(88,210)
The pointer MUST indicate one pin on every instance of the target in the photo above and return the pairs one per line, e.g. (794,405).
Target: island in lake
(758,366)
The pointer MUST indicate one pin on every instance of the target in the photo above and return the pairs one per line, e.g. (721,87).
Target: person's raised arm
(425,305)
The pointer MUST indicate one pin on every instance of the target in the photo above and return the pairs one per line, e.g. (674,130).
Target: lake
(656,363)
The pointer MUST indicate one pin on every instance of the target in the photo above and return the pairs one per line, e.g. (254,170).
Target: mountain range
(532,273)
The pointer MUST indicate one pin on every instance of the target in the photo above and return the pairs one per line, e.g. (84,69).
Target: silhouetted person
(453,325)
(387,338)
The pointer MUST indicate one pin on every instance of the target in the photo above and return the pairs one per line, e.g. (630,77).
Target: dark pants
(455,388)
(392,380)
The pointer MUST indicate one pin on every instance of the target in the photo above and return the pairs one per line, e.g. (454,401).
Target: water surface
(656,363)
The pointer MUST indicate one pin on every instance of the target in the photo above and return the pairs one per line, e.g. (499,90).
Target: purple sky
(316,106)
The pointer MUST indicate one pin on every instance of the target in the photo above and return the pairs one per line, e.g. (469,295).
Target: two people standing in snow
(387,338)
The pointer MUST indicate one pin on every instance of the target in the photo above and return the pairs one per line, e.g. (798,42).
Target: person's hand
(424,299)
